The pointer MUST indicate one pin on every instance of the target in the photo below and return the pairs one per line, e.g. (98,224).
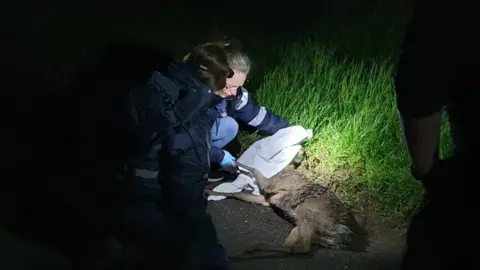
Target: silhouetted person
(439,68)
(160,207)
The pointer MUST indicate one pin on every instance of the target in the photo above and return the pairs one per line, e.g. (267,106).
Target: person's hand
(228,161)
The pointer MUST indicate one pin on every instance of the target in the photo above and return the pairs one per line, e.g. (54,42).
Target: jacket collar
(180,73)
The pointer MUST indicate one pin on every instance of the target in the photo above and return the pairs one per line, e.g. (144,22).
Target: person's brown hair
(208,63)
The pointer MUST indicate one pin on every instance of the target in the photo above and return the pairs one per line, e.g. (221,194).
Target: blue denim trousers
(224,131)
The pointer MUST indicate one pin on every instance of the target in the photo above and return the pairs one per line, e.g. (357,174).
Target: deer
(317,214)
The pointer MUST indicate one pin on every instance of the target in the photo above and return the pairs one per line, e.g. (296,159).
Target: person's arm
(422,136)
(248,111)
(425,74)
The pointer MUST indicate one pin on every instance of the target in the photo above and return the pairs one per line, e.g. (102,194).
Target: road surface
(240,225)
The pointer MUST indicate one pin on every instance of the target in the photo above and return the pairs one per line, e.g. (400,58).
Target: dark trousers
(154,238)
(443,233)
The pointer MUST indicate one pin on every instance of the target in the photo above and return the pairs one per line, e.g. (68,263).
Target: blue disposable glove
(228,160)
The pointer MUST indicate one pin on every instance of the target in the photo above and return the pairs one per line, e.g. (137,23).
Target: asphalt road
(240,225)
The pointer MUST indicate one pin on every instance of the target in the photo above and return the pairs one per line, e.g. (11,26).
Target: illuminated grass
(351,108)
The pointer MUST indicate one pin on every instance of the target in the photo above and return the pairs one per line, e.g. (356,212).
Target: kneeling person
(237,105)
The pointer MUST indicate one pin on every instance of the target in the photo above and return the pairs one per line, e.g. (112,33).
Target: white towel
(269,155)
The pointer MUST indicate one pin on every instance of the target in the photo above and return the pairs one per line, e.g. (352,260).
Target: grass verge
(350,106)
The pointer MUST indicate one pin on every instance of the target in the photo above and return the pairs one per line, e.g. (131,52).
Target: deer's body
(307,204)
(318,215)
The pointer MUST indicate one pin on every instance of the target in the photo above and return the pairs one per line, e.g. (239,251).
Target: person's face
(233,84)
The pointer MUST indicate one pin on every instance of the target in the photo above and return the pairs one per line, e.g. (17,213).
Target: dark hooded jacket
(164,178)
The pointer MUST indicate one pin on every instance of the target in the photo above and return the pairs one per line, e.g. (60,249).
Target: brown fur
(318,215)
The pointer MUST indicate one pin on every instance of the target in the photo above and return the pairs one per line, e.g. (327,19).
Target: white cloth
(269,155)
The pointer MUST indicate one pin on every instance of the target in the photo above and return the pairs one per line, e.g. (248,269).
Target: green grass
(351,108)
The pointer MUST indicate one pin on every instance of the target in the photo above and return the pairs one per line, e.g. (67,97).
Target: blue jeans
(224,131)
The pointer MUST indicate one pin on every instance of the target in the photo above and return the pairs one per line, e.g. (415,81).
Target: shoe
(215,176)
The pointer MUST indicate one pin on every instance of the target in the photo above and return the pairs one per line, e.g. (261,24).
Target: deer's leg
(242,196)
(292,239)
(306,233)
(290,247)
(327,241)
